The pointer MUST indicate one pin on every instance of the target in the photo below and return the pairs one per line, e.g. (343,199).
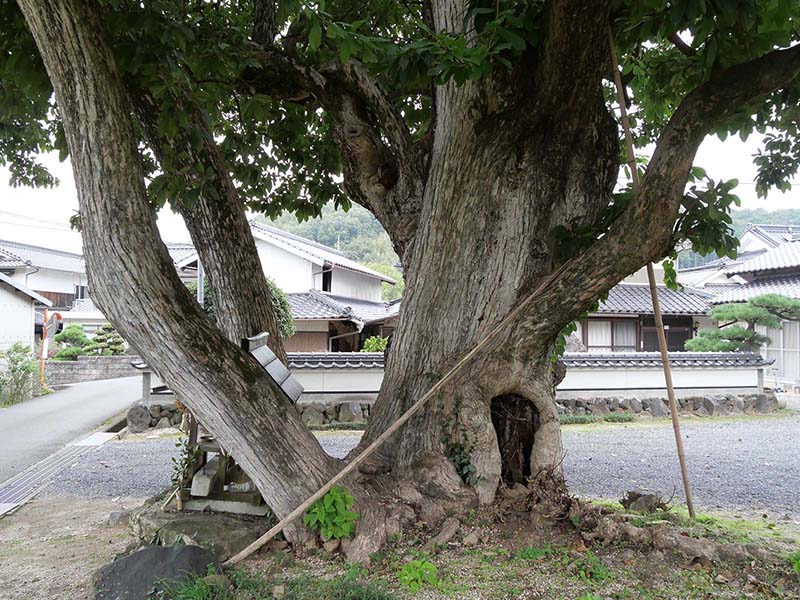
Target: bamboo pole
(404,418)
(651,278)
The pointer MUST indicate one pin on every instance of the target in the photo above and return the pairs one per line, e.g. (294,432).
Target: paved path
(32,430)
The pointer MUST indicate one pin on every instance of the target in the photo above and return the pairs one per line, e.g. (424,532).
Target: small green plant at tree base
(416,574)
(591,568)
(18,370)
(375,343)
(794,560)
(331,514)
(187,455)
(534,552)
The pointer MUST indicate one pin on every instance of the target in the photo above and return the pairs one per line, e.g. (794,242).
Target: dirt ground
(51,547)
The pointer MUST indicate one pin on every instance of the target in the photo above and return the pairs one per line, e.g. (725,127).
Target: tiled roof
(743,256)
(785,256)
(313,305)
(335,360)
(775,235)
(46,258)
(613,360)
(317,305)
(9,260)
(313,251)
(631,298)
(180,251)
(583,360)
(785,285)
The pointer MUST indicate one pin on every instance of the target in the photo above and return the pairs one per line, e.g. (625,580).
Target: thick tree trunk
(133,277)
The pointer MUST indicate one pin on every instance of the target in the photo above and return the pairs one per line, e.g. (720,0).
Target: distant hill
(741,218)
(356,233)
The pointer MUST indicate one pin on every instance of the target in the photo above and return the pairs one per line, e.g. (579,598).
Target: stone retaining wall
(159,416)
(712,405)
(89,368)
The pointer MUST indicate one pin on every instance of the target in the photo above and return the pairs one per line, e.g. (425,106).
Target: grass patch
(535,552)
(619,418)
(589,419)
(578,419)
(350,586)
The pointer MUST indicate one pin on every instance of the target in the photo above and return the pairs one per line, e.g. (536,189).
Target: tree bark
(478,211)
(133,278)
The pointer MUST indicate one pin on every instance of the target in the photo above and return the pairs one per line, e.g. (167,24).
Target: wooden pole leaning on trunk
(651,277)
(404,418)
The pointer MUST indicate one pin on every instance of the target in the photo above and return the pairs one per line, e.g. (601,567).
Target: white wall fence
(359,374)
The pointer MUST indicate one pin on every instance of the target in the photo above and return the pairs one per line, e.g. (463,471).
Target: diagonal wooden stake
(486,343)
(651,277)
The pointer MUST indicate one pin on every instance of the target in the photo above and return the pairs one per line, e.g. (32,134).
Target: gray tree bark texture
(472,208)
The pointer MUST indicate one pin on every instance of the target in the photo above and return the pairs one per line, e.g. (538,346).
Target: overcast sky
(41,216)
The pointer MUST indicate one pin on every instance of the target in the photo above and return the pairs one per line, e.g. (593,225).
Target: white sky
(41,216)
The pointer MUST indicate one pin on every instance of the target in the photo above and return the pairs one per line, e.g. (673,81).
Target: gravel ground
(746,464)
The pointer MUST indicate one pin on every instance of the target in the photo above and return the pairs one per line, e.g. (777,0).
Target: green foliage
(794,560)
(187,456)
(577,419)
(766,310)
(459,453)
(18,370)
(106,342)
(535,552)
(244,586)
(417,574)
(357,234)
(74,336)
(69,353)
(280,304)
(591,568)
(331,514)
(375,343)
(619,418)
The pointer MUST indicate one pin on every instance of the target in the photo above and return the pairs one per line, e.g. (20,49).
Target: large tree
(481,134)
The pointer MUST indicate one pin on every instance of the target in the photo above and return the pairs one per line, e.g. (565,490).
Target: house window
(624,336)
(81,292)
(611,335)
(326,280)
(677,330)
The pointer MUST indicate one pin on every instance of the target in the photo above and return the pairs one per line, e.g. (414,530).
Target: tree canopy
(274,111)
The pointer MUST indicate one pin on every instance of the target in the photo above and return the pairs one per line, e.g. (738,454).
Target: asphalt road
(32,430)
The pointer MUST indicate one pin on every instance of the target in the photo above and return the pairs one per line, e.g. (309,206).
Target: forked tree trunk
(134,280)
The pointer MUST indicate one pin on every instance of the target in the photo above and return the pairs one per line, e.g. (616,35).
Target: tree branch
(264,21)
(384,178)
(644,231)
(682,46)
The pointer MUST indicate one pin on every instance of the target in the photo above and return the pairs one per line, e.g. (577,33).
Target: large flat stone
(225,535)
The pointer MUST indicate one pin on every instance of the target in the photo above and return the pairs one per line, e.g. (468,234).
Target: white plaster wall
(749,241)
(705,323)
(290,272)
(49,280)
(16,318)
(617,380)
(355,285)
(339,380)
